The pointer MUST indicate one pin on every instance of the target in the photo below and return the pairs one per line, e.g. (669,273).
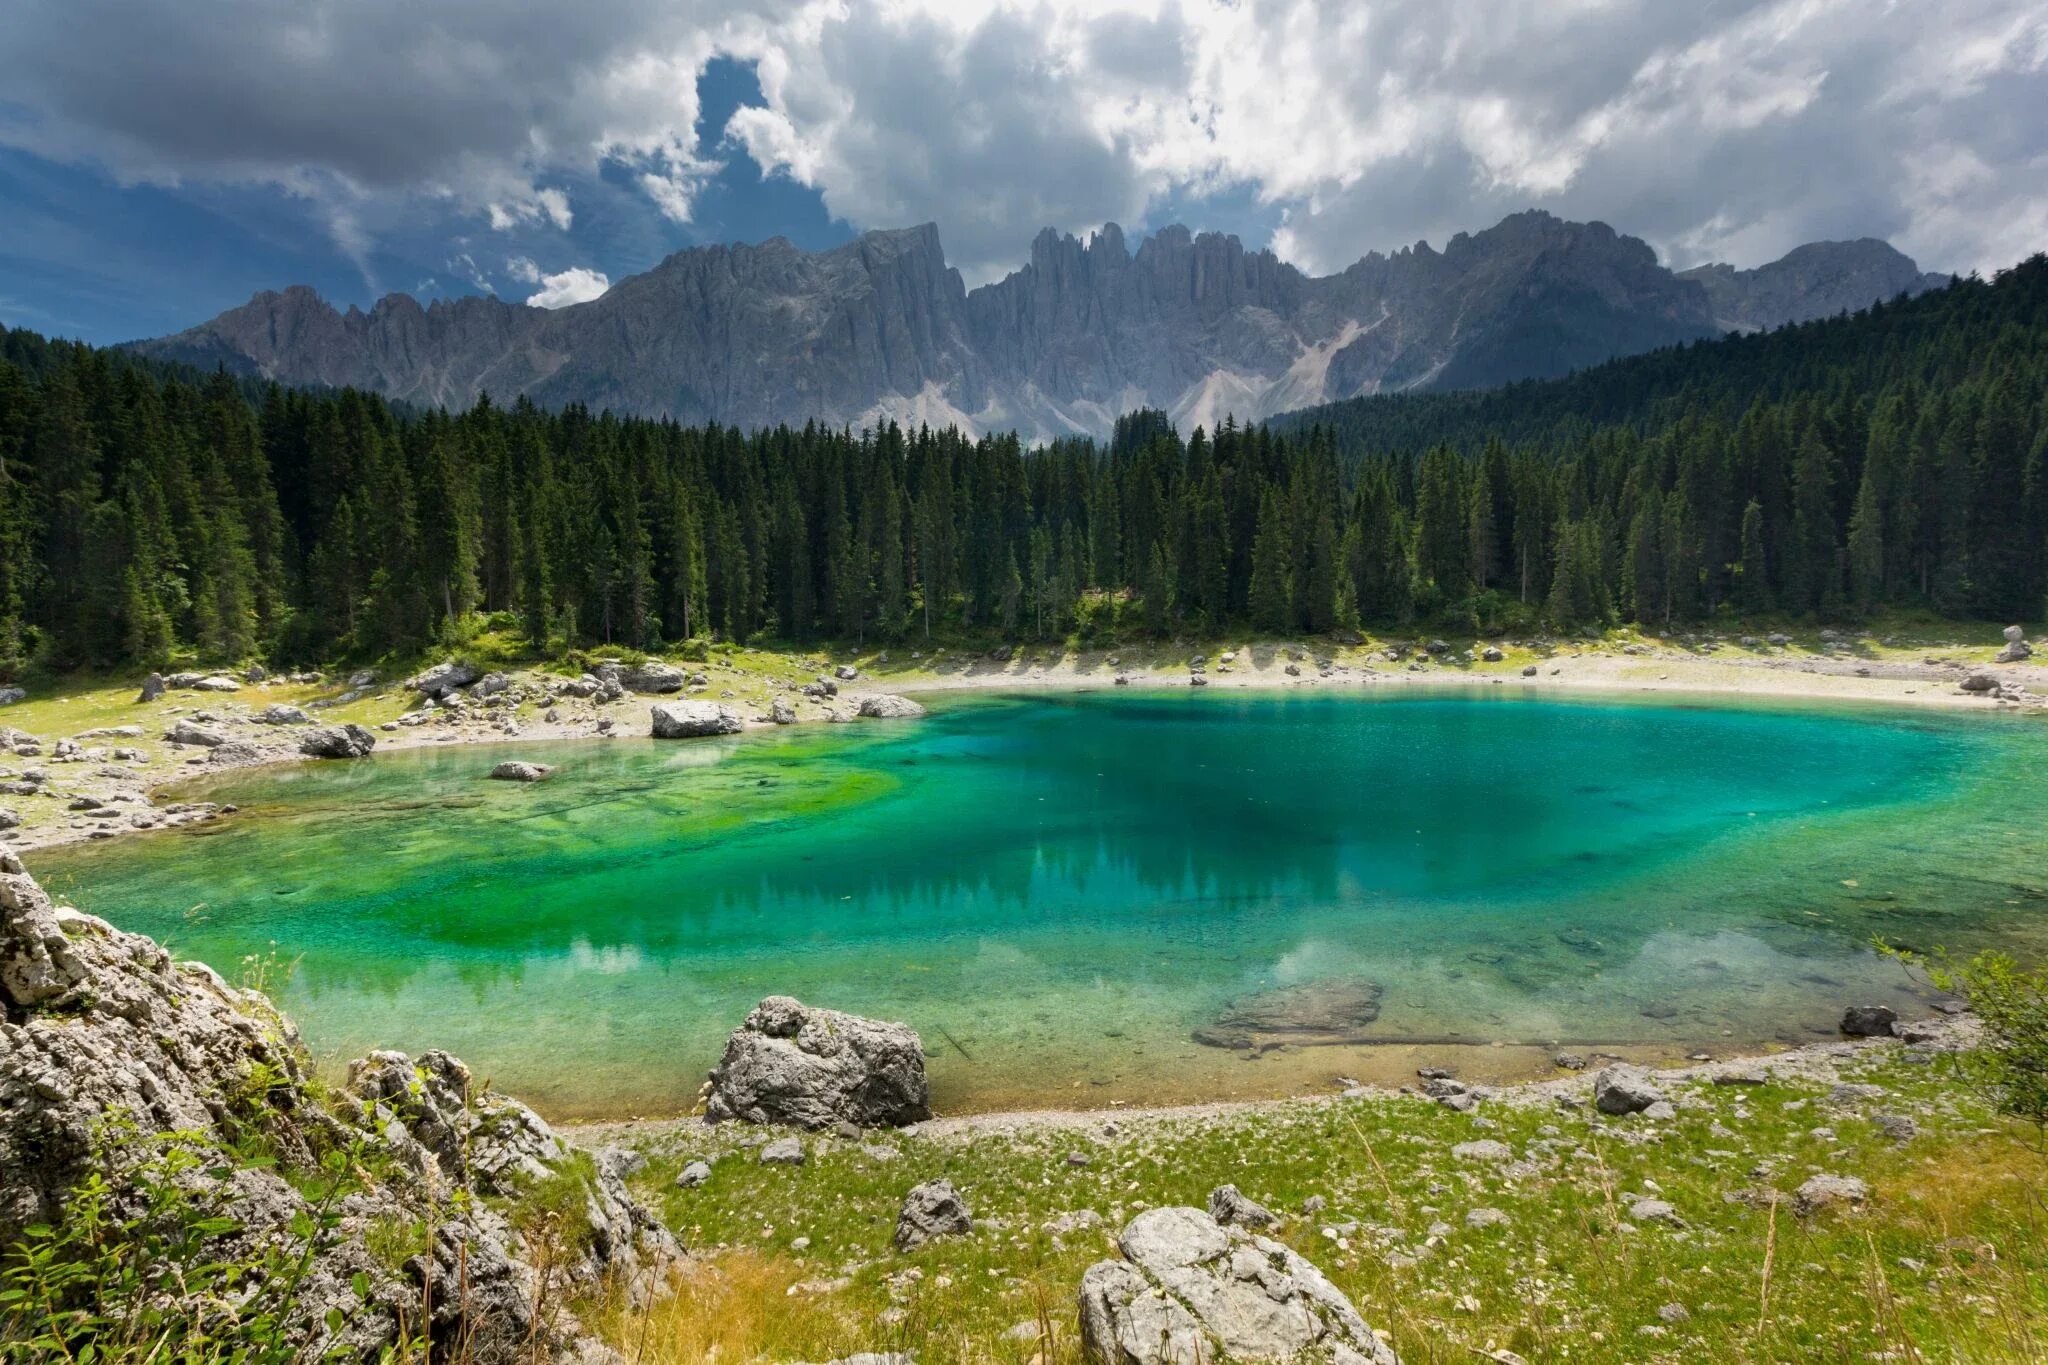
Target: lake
(1061,891)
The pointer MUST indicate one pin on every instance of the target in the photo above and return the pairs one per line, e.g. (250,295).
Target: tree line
(1894,458)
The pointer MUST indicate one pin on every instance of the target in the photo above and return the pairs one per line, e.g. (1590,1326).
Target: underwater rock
(1332,1010)
(513,770)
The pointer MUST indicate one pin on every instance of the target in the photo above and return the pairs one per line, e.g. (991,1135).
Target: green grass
(1946,1263)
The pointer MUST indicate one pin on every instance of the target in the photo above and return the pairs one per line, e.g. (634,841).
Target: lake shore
(1945,1031)
(110,762)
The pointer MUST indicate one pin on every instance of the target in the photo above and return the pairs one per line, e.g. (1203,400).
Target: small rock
(1829,1191)
(1485,1150)
(1232,1209)
(933,1209)
(693,1175)
(1655,1211)
(515,770)
(787,1151)
(1622,1090)
(1869,1021)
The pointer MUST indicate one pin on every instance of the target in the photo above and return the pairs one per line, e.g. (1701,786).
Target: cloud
(574,285)
(1723,128)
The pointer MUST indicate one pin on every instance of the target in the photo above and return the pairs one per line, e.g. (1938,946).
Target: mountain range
(881,327)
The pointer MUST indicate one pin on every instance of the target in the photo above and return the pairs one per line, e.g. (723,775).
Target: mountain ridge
(882,327)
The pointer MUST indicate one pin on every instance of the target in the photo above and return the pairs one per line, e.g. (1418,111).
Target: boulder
(694,719)
(792,1063)
(1188,1289)
(218,682)
(933,1209)
(279,713)
(192,732)
(1979,682)
(846,672)
(1869,1021)
(103,1022)
(1624,1090)
(153,687)
(782,711)
(1491,654)
(888,706)
(651,675)
(516,770)
(444,678)
(337,741)
(695,1174)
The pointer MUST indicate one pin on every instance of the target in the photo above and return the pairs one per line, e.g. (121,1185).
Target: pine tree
(1753,579)
(1271,593)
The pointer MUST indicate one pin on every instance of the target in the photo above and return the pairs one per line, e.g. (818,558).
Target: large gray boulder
(337,741)
(889,706)
(99,1023)
(694,719)
(653,676)
(1189,1290)
(792,1063)
(444,678)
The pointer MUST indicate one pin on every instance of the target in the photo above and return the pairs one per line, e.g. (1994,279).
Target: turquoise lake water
(1058,889)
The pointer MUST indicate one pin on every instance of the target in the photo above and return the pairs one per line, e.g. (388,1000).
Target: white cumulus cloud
(1729,128)
(574,285)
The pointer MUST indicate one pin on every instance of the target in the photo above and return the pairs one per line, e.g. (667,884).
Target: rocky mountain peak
(1817,280)
(882,327)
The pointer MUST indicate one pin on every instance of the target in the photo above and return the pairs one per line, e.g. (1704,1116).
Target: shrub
(2012,1066)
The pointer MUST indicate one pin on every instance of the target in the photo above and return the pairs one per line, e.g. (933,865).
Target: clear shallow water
(1058,889)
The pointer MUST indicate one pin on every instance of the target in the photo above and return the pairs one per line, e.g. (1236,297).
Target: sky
(162,162)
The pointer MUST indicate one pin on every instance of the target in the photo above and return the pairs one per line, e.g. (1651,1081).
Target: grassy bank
(1944,1262)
